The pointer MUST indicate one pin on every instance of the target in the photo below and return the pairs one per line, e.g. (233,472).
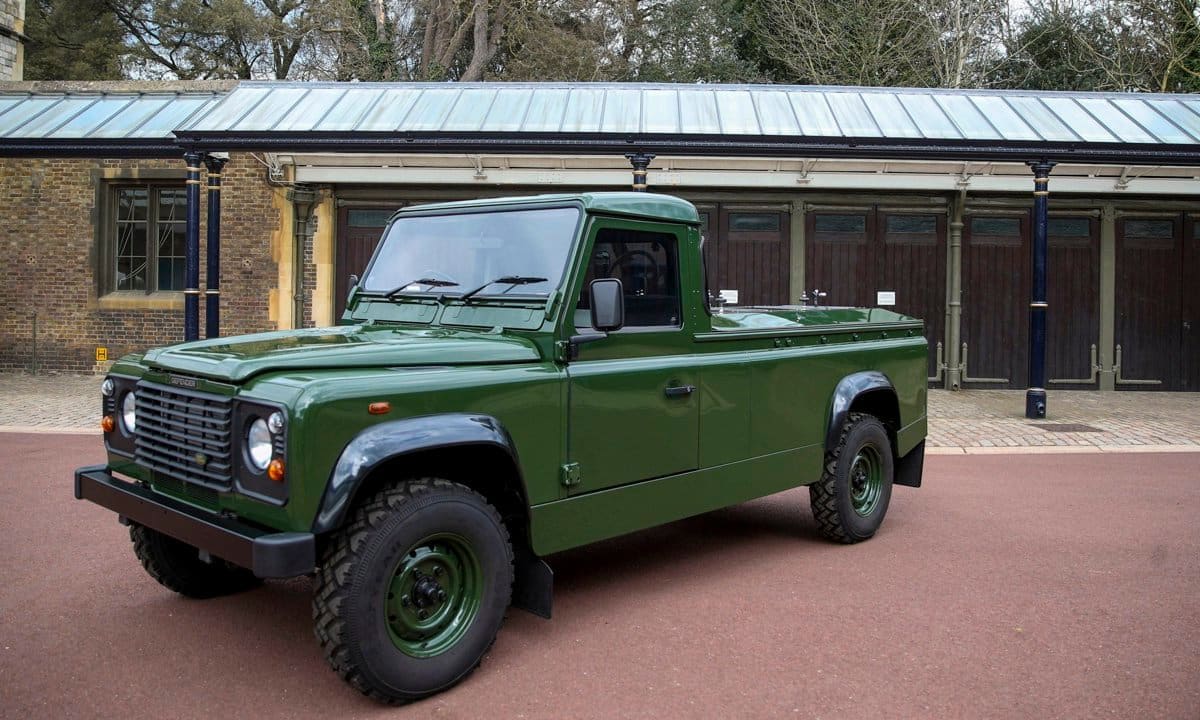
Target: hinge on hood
(571,475)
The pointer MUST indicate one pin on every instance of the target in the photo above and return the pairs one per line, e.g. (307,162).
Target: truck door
(634,400)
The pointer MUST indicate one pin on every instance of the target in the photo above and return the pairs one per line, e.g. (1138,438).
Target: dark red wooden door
(1149,294)
(359,231)
(751,253)
(839,258)
(911,252)
(1073,294)
(995,297)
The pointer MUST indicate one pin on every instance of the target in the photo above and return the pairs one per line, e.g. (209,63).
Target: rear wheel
(177,566)
(412,591)
(852,496)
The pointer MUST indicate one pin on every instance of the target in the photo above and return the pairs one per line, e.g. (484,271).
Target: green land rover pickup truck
(511,378)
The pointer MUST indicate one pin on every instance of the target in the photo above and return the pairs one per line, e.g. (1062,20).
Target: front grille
(184,435)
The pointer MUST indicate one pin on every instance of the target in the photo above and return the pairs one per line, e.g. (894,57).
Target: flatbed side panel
(576,521)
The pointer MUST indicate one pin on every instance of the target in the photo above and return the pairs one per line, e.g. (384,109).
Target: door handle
(680,390)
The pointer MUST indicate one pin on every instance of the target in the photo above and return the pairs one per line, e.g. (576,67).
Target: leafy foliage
(72,40)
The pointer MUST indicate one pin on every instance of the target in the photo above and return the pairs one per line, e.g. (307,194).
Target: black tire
(177,566)
(847,507)
(354,608)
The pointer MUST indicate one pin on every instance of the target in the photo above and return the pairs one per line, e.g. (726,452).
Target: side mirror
(353,283)
(608,304)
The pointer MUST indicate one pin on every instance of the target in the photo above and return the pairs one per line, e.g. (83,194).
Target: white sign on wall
(730,296)
(885,298)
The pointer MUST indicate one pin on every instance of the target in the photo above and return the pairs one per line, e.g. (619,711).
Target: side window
(647,264)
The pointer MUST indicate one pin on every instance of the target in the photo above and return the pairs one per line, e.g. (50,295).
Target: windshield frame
(447,295)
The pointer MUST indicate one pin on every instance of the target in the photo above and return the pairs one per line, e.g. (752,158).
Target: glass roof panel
(584,110)
(889,115)
(173,113)
(231,109)
(698,113)
(30,108)
(775,114)
(348,110)
(432,108)
(8,101)
(1046,123)
(931,120)
(1115,121)
(737,112)
(1004,118)
(816,120)
(389,112)
(508,110)
(963,113)
(622,111)
(1078,119)
(1187,120)
(305,114)
(1158,125)
(94,116)
(132,116)
(56,115)
(546,108)
(470,110)
(660,111)
(852,115)
(268,112)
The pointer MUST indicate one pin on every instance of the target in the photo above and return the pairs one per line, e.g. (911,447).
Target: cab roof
(650,206)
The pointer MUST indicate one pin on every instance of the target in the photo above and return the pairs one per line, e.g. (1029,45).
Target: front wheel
(412,591)
(852,496)
(178,566)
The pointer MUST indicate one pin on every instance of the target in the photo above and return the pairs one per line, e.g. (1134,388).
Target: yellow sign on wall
(101,354)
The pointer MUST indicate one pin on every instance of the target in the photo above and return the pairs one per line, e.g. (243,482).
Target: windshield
(456,254)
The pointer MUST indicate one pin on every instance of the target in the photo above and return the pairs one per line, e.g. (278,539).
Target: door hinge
(571,474)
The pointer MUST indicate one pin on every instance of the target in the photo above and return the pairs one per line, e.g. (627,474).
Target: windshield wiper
(432,282)
(511,280)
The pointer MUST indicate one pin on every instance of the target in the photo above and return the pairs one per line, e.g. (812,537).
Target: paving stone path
(968,421)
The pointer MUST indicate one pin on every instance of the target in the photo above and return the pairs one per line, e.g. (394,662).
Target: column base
(1035,404)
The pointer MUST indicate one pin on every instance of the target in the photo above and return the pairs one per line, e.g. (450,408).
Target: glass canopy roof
(257,114)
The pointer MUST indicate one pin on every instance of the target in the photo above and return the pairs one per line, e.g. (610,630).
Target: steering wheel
(652,270)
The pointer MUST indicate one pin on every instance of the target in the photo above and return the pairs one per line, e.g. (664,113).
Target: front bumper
(267,554)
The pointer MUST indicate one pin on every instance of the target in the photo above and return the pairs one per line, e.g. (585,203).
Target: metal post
(212,275)
(1035,396)
(191,290)
(954,294)
(640,161)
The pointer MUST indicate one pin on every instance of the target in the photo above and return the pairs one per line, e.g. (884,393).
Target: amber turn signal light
(275,470)
(107,424)
(379,408)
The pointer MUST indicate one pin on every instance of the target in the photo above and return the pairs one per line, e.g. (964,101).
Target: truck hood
(239,358)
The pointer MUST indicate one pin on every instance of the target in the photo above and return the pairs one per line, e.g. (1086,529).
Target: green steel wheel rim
(866,480)
(434,595)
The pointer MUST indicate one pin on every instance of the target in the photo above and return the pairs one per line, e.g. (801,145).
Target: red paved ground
(1019,587)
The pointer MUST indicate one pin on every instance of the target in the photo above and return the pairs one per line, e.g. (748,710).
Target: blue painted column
(212,274)
(640,162)
(1035,396)
(191,282)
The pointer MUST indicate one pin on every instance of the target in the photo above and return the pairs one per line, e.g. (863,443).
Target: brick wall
(48,264)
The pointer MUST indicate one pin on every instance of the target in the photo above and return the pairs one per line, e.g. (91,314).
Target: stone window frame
(106,183)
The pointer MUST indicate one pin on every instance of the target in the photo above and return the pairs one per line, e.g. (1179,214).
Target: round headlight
(129,412)
(107,387)
(275,423)
(258,444)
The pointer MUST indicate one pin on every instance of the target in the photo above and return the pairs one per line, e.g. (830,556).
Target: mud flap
(910,467)
(533,584)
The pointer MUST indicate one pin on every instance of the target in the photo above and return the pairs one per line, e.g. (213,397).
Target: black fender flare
(849,388)
(388,440)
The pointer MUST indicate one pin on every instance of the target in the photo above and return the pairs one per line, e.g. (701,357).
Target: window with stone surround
(141,233)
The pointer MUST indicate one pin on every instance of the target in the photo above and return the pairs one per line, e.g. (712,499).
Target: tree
(189,40)
(1118,45)
(72,40)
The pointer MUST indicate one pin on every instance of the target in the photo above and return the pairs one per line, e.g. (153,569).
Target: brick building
(936,224)
(12,39)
